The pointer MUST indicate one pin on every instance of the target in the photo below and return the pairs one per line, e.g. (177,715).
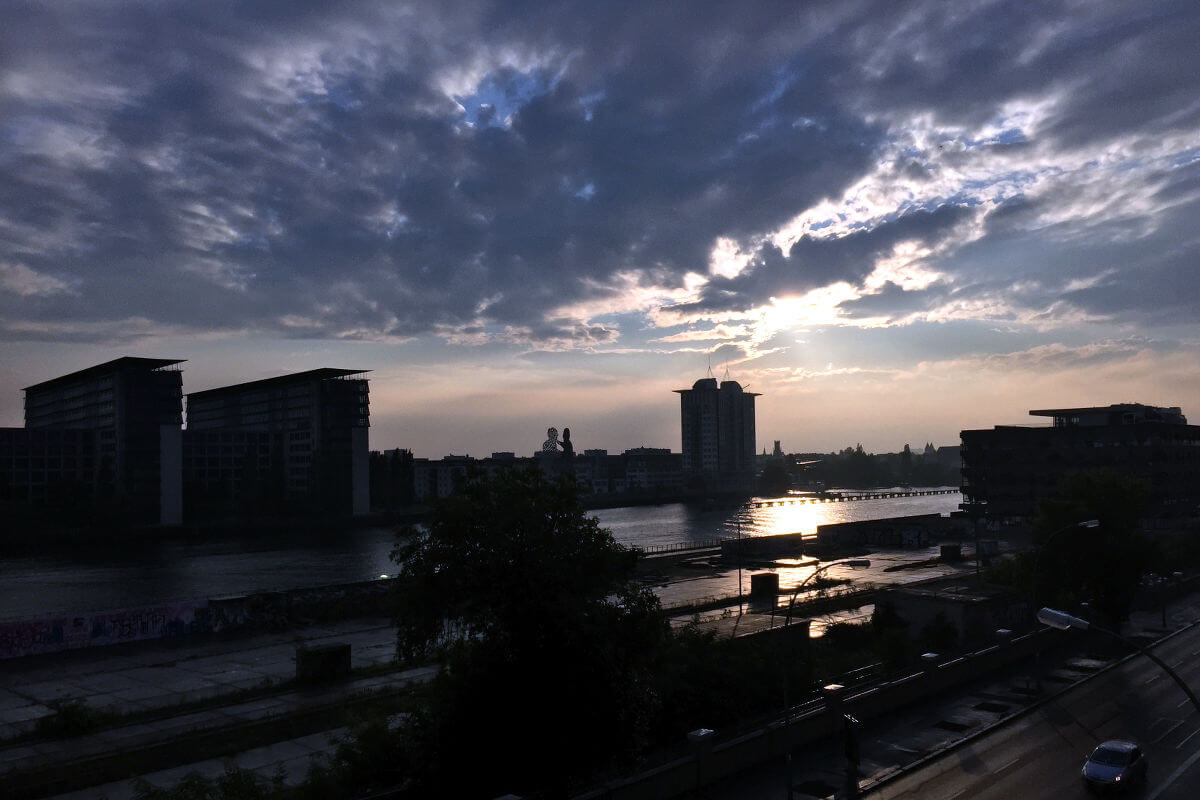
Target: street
(1040,755)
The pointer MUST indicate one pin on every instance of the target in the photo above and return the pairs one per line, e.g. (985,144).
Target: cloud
(25,282)
(508,173)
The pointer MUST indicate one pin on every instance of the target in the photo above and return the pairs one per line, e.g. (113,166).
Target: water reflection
(678,523)
(103,577)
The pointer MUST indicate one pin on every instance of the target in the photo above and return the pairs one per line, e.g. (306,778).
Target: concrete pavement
(164,673)
(192,694)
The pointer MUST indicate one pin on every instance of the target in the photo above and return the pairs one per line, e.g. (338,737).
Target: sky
(895,220)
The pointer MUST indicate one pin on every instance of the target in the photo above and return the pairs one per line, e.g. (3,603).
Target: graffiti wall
(251,612)
(29,637)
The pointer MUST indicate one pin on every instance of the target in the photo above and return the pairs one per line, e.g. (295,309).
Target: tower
(717,427)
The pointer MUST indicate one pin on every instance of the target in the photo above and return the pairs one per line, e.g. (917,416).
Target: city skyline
(893,223)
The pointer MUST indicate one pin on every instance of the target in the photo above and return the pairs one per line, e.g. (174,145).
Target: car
(1114,765)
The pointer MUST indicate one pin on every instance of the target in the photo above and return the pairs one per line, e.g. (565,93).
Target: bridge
(845,497)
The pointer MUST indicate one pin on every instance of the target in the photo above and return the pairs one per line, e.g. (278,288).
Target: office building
(106,437)
(717,427)
(1008,470)
(295,442)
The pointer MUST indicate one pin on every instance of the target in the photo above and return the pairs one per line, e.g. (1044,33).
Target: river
(99,578)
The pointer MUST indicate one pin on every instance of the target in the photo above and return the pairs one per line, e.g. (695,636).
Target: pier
(845,497)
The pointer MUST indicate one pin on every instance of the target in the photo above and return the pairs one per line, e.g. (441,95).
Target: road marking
(1152,678)
(1174,776)
(1003,767)
(1187,738)
(1167,732)
(1184,702)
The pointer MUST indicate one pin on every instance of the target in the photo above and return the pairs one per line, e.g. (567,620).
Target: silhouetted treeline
(855,468)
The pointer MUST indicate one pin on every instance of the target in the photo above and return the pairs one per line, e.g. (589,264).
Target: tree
(1100,566)
(548,647)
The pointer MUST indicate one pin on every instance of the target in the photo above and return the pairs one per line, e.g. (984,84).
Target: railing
(816,598)
(846,496)
(680,546)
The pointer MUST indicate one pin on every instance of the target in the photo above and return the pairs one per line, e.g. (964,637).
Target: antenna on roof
(709,375)
(726,372)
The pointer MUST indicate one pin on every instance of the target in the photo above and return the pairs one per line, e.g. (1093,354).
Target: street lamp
(1037,573)
(1062,621)
(848,562)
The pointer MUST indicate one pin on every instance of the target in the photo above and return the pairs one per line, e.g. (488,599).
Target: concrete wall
(759,546)
(252,612)
(31,637)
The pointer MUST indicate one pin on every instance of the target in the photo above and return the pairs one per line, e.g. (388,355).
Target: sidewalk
(163,673)
(152,680)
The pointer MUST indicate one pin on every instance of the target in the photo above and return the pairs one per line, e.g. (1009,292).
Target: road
(1040,754)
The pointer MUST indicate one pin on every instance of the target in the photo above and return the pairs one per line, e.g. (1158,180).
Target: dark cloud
(892,301)
(305,169)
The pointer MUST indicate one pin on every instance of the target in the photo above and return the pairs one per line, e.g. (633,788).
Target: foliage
(774,480)
(548,646)
(374,755)
(855,468)
(235,784)
(1100,565)
(72,718)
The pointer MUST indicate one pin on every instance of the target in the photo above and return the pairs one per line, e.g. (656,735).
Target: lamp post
(1062,621)
(849,562)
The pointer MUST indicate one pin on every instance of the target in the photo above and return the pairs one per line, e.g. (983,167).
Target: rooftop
(1115,414)
(320,374)
(108,367)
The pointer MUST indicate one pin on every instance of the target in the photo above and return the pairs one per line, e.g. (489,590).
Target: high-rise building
(131,411)
(717,426)
(1007,470)
(299,439)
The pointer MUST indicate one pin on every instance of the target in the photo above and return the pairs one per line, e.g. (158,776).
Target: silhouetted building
(50,468)
(295,441)
(653,470)
(717,427)
(107,436)
(1007,470)
(392,479)
(435,479)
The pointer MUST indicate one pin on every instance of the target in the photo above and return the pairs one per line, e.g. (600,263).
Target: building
(295,442)
(106,437)
(951,607)
(1007,470)
(437,479)
(717,427)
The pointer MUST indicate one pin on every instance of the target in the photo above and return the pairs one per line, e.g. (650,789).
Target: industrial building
(1008,470)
